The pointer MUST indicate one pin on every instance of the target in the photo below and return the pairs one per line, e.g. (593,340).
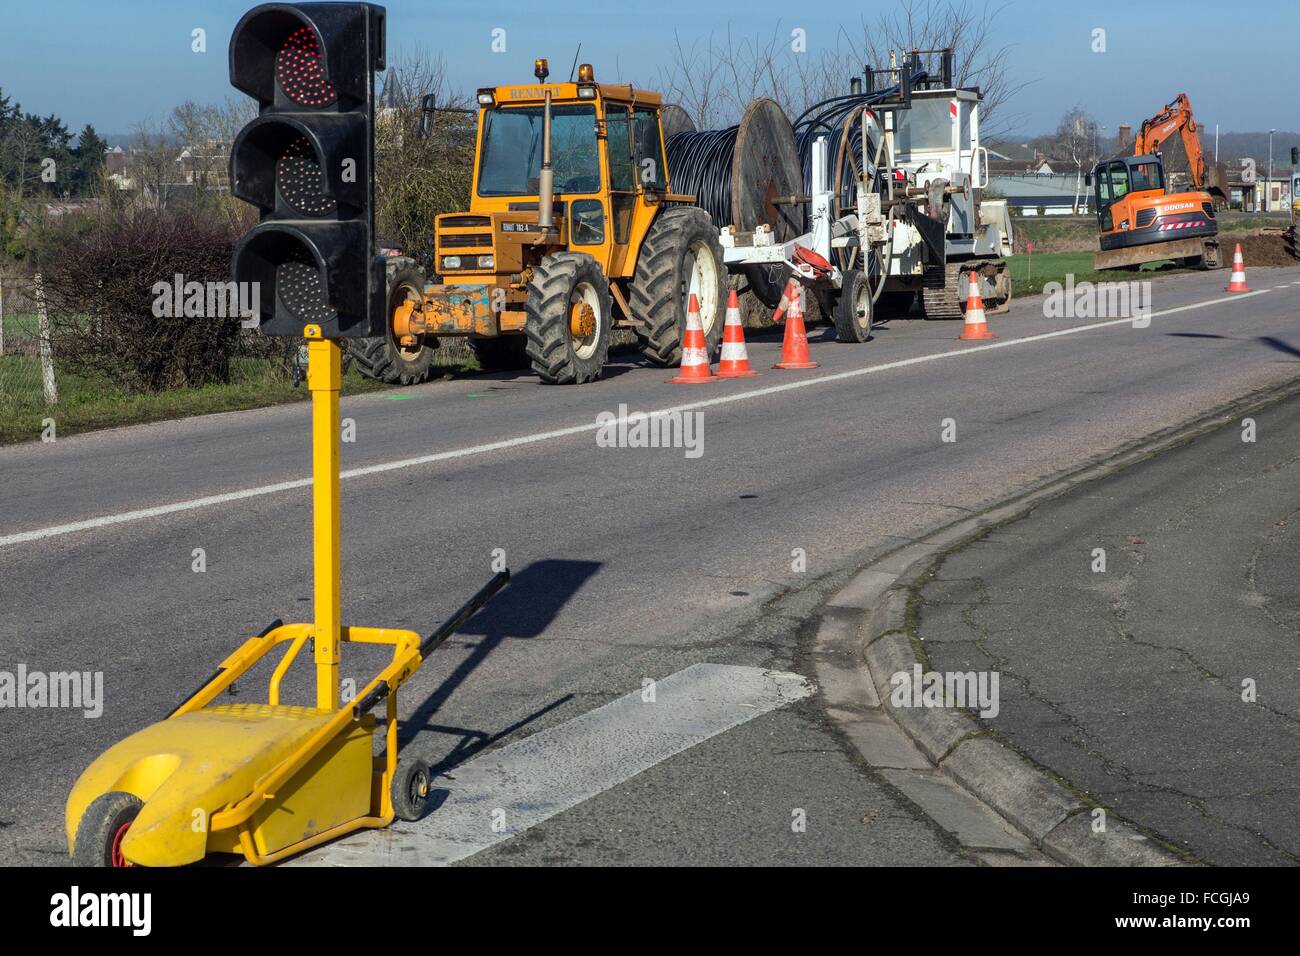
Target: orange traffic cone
(794,348)
(735,359)
(779,315)
(975,327)
(1238,281)
(695,353)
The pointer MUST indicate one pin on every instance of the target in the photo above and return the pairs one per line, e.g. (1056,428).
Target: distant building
(165,178)
(1041,194)
(1012,158)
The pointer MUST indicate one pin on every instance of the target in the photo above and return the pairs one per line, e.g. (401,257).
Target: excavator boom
(1177,119)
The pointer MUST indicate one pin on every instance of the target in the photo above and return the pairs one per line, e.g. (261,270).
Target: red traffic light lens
(300,73)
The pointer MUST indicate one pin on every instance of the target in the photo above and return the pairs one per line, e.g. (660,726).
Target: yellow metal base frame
(267,780)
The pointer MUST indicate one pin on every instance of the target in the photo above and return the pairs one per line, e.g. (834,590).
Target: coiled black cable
(700,164)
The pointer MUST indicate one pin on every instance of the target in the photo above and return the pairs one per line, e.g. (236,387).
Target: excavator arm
(1176,119)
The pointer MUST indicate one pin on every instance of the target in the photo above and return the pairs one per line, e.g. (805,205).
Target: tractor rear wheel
(569,319)
(383,357)
(680,255)
(99,833)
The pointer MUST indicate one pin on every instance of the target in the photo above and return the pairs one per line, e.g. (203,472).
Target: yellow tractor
(573,230)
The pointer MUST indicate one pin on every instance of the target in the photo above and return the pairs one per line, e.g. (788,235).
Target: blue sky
(114,63)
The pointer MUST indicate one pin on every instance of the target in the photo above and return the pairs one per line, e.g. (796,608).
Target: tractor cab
(606,176)
(571,231)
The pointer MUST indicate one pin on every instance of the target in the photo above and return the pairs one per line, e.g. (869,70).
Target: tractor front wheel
(569,319)
(386,358)
(101,830)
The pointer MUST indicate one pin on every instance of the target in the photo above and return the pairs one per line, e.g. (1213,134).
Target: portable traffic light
(307,163)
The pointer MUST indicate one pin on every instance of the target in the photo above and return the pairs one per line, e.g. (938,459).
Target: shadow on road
(1286,348)
(525,608)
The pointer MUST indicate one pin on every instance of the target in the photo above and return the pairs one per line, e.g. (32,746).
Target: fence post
(2,315)
(47,353)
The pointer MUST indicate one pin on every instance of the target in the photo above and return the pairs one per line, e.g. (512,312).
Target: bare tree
(714,79)
(1076,143)
(416,179)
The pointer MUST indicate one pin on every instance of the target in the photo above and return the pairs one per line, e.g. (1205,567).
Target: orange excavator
(1139,218)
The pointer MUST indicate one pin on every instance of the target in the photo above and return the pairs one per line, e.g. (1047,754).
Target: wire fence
(27,374)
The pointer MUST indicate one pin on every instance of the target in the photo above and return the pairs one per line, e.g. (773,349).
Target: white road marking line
(179,506)
(526,783)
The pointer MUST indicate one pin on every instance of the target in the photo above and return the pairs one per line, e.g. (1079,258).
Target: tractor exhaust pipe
(546,178)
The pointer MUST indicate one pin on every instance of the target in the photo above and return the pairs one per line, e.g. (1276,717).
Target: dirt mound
(1258,249)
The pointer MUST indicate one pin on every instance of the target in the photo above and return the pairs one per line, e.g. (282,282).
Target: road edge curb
(1054,819)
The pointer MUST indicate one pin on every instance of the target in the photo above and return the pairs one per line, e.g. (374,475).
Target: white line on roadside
(179,506)
(503,792)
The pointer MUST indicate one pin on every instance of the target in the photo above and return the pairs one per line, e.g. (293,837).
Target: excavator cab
(1140,222)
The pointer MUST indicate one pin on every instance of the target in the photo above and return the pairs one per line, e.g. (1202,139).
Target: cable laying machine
(895,178)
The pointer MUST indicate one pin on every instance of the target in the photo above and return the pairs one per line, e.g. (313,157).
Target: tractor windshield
(512,150)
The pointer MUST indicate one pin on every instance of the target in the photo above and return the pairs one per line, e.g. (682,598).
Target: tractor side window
(512,150)
(586,223)
(621,175)
(650,149)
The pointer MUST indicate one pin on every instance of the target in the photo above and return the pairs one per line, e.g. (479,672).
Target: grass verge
(1030,273)
(86,403)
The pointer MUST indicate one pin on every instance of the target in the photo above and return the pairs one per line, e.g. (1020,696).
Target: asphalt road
(1166,686)
(630,564)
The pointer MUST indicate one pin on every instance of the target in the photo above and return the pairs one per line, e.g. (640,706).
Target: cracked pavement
(1129,683)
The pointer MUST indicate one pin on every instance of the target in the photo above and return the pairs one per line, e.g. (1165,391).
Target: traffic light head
(307,163)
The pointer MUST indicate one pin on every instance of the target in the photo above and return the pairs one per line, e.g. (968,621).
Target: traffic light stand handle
(324,378)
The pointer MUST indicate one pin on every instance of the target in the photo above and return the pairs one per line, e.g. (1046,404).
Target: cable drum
(675,120)
(738,174)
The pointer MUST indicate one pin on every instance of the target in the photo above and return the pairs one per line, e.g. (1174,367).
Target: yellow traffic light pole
(324,379)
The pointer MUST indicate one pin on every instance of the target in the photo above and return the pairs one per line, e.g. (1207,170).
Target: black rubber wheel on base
(504,353)
(385,359)
(105,822)
(563,282)
(852,310)
(410,789)
(681,246)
